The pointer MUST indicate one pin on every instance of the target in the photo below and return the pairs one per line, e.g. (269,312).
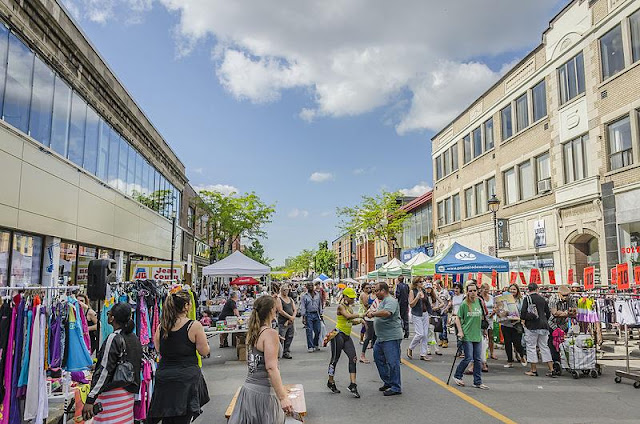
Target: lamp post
(494,205)
(173,240)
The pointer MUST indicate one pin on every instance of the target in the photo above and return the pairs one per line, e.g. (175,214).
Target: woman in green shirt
(469,325)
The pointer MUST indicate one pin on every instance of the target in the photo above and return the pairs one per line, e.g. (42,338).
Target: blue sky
(263,113)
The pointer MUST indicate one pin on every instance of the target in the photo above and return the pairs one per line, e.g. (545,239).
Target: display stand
(620,374)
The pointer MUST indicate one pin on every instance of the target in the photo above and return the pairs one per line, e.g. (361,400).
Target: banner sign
(614,276)
(503,234)
(570,277)
(155,270)
(552,277)
(480,278)
(636,274)
(513,277)
(589,275)
(540,236)
(494,278)
(534,276)
(622,271)
(523,278)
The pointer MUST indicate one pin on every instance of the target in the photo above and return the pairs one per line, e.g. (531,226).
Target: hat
(349,292)
(575,284)
(428,284)
(564,290)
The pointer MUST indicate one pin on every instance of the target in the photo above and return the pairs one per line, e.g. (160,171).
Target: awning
(244,281)
(461,259)
(236,264)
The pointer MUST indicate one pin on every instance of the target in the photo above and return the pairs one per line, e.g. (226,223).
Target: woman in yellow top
(343,341)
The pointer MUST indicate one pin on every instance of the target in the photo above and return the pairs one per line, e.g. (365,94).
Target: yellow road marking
(481,406)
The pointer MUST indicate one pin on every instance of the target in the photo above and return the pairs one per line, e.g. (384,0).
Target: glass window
(114,158)
(491,187)
(26,260)
(611,52)
(17,96)
(505,118)
(41,102)
(468,202)
(77,129)
(145,178)
(439,167)
(4,50)
(634,23)
(477,142)
(571,78)
(446,162)
(103,150)
(456,207)
(526,180)
(5,236)
(91,141)
(620,153)
(122,165)
(454,157)
(510,187)
(539,99)
(447,210)
(131,170)
(191,213)
(85,255)
(150,180)
(441,220)
(138,184)
(68,262)
(543,167)
(522,112)
(480,200)
(488,134)
(467,148)
(60,120)
(575,164)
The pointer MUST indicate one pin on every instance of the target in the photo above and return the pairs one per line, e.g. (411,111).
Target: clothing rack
(626,373)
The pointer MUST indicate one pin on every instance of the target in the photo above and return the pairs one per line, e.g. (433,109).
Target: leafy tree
(256,252)
(325,259)
(302,263)
(378,217)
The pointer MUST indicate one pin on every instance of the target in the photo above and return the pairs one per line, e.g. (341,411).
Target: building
(556,139)
(345,249)
(85,174)
(418,233)
(365,255)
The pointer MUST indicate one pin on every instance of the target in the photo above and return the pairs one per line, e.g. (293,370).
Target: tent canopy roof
(420,258)
(236,264)
(460,259)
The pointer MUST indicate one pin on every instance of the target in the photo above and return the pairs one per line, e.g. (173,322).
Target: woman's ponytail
(174,305)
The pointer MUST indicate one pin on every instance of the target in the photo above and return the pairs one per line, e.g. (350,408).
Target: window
(68,261)
(60,119)
(505,118)
(634,23)
(522,112)
(17,96)
(145,178)
(574,158)
(77,128)
(447,210)
(41,103)
(468,202)
(103,150)
(454,157)
(480,201)
(491,187)
(456,207)
(4,50)
(122,165)
(526,180)
(477,142)
(620,154)
(4,258)
(441,220)
(131,169)
(539,100)
(571,78)
(138,184)
(611,52)
(446,159)
(26,260)
(543,170)
(438,165)
(91,141)
(114,158)
(467,148)
(510,186)
(191,213)
(488,134)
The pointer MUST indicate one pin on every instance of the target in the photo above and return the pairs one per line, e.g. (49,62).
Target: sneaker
(384,388)
(440,343)
(317,349)
(425,358)
(311,350)
(391,393)
(481,386)
(428,352)
(459,381)
(333,387)
(287,355)
(509,365)
(437,352)
(409,353)
(353,388)
(445,344)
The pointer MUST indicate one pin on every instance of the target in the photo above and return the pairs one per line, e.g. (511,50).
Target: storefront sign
(155,270)
(622,271)
(202,249)
(589,276)
(540,236)
(552,277)
(503,234)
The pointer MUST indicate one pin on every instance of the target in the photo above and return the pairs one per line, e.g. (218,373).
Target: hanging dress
(78,355)
(19,334)
(4,408)
(5,324)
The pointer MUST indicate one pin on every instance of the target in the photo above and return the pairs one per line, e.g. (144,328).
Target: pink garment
(144,322)
(8,368)
(156,320)
(141,407)
(85,329)
(558,338)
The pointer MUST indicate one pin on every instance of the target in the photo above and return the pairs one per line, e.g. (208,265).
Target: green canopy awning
(429,268)
(392,269)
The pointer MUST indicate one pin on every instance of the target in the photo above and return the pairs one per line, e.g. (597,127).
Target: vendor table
(241,334)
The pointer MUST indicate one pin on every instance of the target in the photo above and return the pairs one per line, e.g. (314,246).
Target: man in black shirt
(535,313)
(402,295)
(230,308)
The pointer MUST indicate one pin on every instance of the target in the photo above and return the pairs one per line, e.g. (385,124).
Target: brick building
(557,140)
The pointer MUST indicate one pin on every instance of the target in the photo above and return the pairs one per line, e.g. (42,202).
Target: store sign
(202,249)
(623,276)
(540,236)
(589,278)
(155,270)
(503,234)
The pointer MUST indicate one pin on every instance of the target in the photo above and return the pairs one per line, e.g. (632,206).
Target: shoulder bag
(532,309)
(484,324)
(123,373)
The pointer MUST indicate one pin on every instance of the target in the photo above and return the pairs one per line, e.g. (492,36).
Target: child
(206,319)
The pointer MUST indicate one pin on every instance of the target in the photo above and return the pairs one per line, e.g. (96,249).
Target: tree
(325,259)
(302,263)
(256,252)
(229,217)
(379,217)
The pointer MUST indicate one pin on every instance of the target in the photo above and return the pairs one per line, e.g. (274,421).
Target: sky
(310,104)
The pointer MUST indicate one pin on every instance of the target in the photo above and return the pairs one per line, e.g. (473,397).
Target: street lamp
(494,205)
(173,240)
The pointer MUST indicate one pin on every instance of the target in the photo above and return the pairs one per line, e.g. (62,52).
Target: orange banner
(534,276)
(494,278)
(523,278)
(622,271)
(589,274)
(636,274)
(570,277)
(614,277)
(513,277)
(552,277)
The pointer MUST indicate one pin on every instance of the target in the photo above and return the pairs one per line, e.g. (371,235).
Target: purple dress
(4,408)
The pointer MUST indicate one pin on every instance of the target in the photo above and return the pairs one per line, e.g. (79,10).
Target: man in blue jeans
(311,310)
(386,352)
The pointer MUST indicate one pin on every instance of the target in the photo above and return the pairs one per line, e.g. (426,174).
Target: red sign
(470,276)
(494,278)
(570,277)
(623,276)
(636,274)
(534,276)
(523,278)
(512,277)
(589,273)
(552,277)
(446,280)
(479,278)
(437,277)
(614,277)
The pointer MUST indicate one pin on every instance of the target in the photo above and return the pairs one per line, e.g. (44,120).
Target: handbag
(123,373)
(532,309)
(485,323)
(436,321)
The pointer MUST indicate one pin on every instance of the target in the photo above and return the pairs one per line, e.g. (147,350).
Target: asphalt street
(513,397)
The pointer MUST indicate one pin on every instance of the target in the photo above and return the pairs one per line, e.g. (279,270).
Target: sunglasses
(469,291)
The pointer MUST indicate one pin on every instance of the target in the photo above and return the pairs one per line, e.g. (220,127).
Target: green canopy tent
(392,269)
(429,268)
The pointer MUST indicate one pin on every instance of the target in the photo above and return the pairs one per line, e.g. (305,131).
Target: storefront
(20,258)
(628,220)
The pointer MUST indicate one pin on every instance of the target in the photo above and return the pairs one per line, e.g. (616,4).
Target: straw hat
(564,290)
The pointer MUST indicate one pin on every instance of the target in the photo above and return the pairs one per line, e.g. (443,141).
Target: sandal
(550,374)
(494,357)
(531,373)
(425,358)
(409,354)
(365,361)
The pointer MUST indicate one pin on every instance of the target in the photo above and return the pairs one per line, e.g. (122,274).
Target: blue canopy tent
(460,259)
(323,277)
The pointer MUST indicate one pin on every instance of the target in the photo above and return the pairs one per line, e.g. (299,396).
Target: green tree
(325,259)
(256,252)
(302,263)
(378,217)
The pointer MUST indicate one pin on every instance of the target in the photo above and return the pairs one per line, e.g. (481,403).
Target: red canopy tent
(245,281)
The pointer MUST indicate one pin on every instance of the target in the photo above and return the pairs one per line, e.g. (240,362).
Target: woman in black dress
(180,390)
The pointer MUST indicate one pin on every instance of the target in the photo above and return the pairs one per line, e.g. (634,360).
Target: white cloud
(320,177)
(100,11)
(220,188)
(199,171)
(417,190)
(418,58)
(298,213)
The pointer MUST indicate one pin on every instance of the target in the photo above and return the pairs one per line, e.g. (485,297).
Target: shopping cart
(578,356)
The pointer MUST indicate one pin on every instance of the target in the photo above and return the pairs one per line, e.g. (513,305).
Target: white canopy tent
(420,258)
(236,265)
